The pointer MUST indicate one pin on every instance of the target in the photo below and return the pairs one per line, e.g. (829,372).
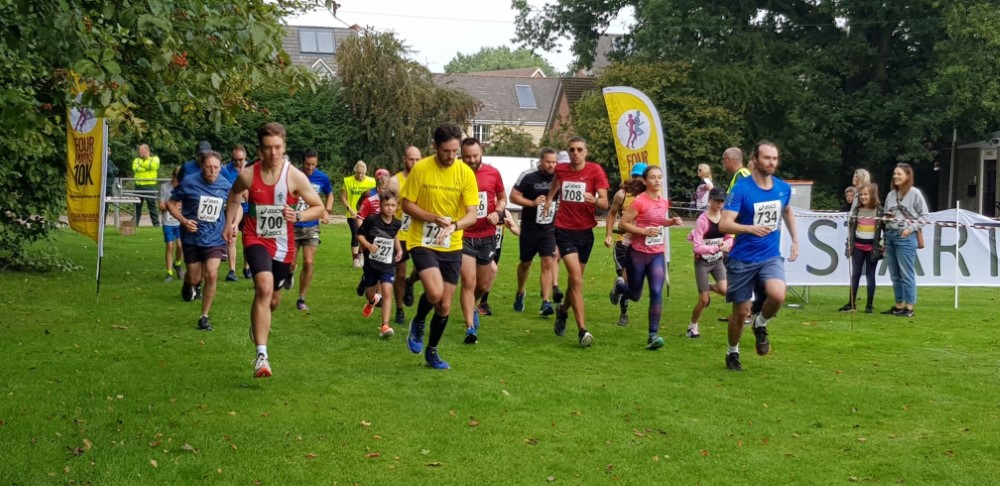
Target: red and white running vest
(265,224)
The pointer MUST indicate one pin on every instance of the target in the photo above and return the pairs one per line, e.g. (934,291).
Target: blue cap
(638,169)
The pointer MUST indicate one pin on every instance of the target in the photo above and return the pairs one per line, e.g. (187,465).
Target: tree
(497,58)
(395,100)
(511,142)
(148,68)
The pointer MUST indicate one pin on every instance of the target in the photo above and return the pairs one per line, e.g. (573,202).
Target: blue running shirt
(756,207)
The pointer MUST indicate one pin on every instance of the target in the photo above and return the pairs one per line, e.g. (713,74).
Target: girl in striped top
(864,244)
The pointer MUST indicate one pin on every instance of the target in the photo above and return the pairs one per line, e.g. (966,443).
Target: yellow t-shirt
(405,218)
(355,189)
(441,191)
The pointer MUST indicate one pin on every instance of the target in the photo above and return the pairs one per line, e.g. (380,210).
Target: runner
(355,186)
(197,203)
(709,244)
(582,187)
(644,221)
(732,162)
(441,198)
(171,229)
(404,284)
(274,187)
(378,238)
(509,223)
(230,171)
(307,232)
(369,205)
(538,232)
(753,212)
(621,201)
(478,241)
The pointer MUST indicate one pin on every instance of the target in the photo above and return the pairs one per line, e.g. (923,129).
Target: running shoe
(891,311)
(178,270)
(622,320)
(400,316)
(557,295)
(301,305)
(733,362)
(197,291)
(475,320)
(361,287)
(547,309)
(615,295)
(654,342)
(168,278)
(586,338)
(692,332)
(847,308)
(247,274)
(435,361)
(904,312)
(471,336)
(415,340)
(408,293)
(519,302)
(559,327)
(485,309)
(187,292)
(385,332)
(760,338)
(231,276)
(289,281)
(869,310)
(261,367)
(204,324)
(370,306)
(357,262)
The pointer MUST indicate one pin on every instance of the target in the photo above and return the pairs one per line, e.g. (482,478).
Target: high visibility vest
(147,168)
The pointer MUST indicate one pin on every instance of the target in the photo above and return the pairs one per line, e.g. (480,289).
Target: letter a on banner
(86,139)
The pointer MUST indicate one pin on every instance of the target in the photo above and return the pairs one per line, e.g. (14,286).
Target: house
(571,90)
(524,103)
(973,179)
(316,47)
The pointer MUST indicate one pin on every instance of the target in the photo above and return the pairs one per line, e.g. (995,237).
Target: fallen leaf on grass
(575,413)
(311,456)
(550,479)
(377,437)
(795,436)
(120,328)
(637,433)
(189,448)
(765,441)
(704,453)
(232,413)
(434,464)
(862,439)
(87,444)
(152,462)
(366,424)
(505,393)
(739,443)
(373,455)
(232,446)
(201,342)
(531,441)
(155,443)
(609,467)
(265,414)
(656,458)
(473,422)
(949,453)
(452,413)
(425,451)
(839,372)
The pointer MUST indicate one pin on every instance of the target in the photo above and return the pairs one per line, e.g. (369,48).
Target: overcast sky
(438,29)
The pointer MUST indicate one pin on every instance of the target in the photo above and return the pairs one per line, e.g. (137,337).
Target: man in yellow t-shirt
(356,187)
(441,197)
(403,286)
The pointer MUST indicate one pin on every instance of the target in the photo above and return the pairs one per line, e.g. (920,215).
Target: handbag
(920,239)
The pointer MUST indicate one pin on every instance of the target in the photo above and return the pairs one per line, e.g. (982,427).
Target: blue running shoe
(435,361)
(471,337)
(547,309)
(415,339)
(519,302)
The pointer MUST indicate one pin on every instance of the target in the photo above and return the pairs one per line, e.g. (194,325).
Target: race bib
(301,205)
(658,239)
(406,222)
(546,218)
(209,209)
(714,256)
(483,204)
(386,250)
(271,222)
(498,237)
(766,214)
(573,191)
(431,232)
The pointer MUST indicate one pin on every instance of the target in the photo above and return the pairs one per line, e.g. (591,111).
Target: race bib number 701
(209,209)
(271,221)
(767,214)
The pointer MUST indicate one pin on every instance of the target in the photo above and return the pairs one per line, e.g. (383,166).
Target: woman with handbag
(864,244)
(905,210)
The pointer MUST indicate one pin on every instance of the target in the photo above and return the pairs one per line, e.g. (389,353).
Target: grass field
(127,391)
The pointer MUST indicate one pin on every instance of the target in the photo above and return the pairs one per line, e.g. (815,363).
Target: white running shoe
(261,367)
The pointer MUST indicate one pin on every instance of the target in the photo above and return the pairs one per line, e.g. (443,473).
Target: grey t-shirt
(165,189)
(906,210)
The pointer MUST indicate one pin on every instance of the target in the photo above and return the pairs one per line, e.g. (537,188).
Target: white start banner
(969,237)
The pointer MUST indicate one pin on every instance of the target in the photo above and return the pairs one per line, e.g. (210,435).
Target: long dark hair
(635,187)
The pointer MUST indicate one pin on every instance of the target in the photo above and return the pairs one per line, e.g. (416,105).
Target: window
(482,132)
(316,41)
(525,97)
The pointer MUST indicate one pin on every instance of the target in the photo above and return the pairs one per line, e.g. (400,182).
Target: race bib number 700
(271,221)
(767,214)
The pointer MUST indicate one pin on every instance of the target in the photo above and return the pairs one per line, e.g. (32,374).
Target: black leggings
(860,258)
(353,223)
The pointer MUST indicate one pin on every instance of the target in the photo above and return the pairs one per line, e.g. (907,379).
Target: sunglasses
(573,149)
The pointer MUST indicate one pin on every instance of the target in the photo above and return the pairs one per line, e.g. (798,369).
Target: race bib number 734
(767,214)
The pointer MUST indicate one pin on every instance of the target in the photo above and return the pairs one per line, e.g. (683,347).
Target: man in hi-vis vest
(145,169)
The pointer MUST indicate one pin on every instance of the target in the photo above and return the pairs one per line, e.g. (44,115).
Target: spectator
(701,193)
(905,210)
(145,169)
(864,244)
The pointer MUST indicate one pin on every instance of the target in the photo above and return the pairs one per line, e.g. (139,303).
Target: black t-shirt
(382,235)
(533,183)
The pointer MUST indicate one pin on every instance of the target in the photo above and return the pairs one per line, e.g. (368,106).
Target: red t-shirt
(651,213)
(369,206)
(490,184)
(574,213)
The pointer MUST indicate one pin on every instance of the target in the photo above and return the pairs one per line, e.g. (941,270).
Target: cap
(202,147)
(563,157)
(638,169)
(717,194)
(382,172)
